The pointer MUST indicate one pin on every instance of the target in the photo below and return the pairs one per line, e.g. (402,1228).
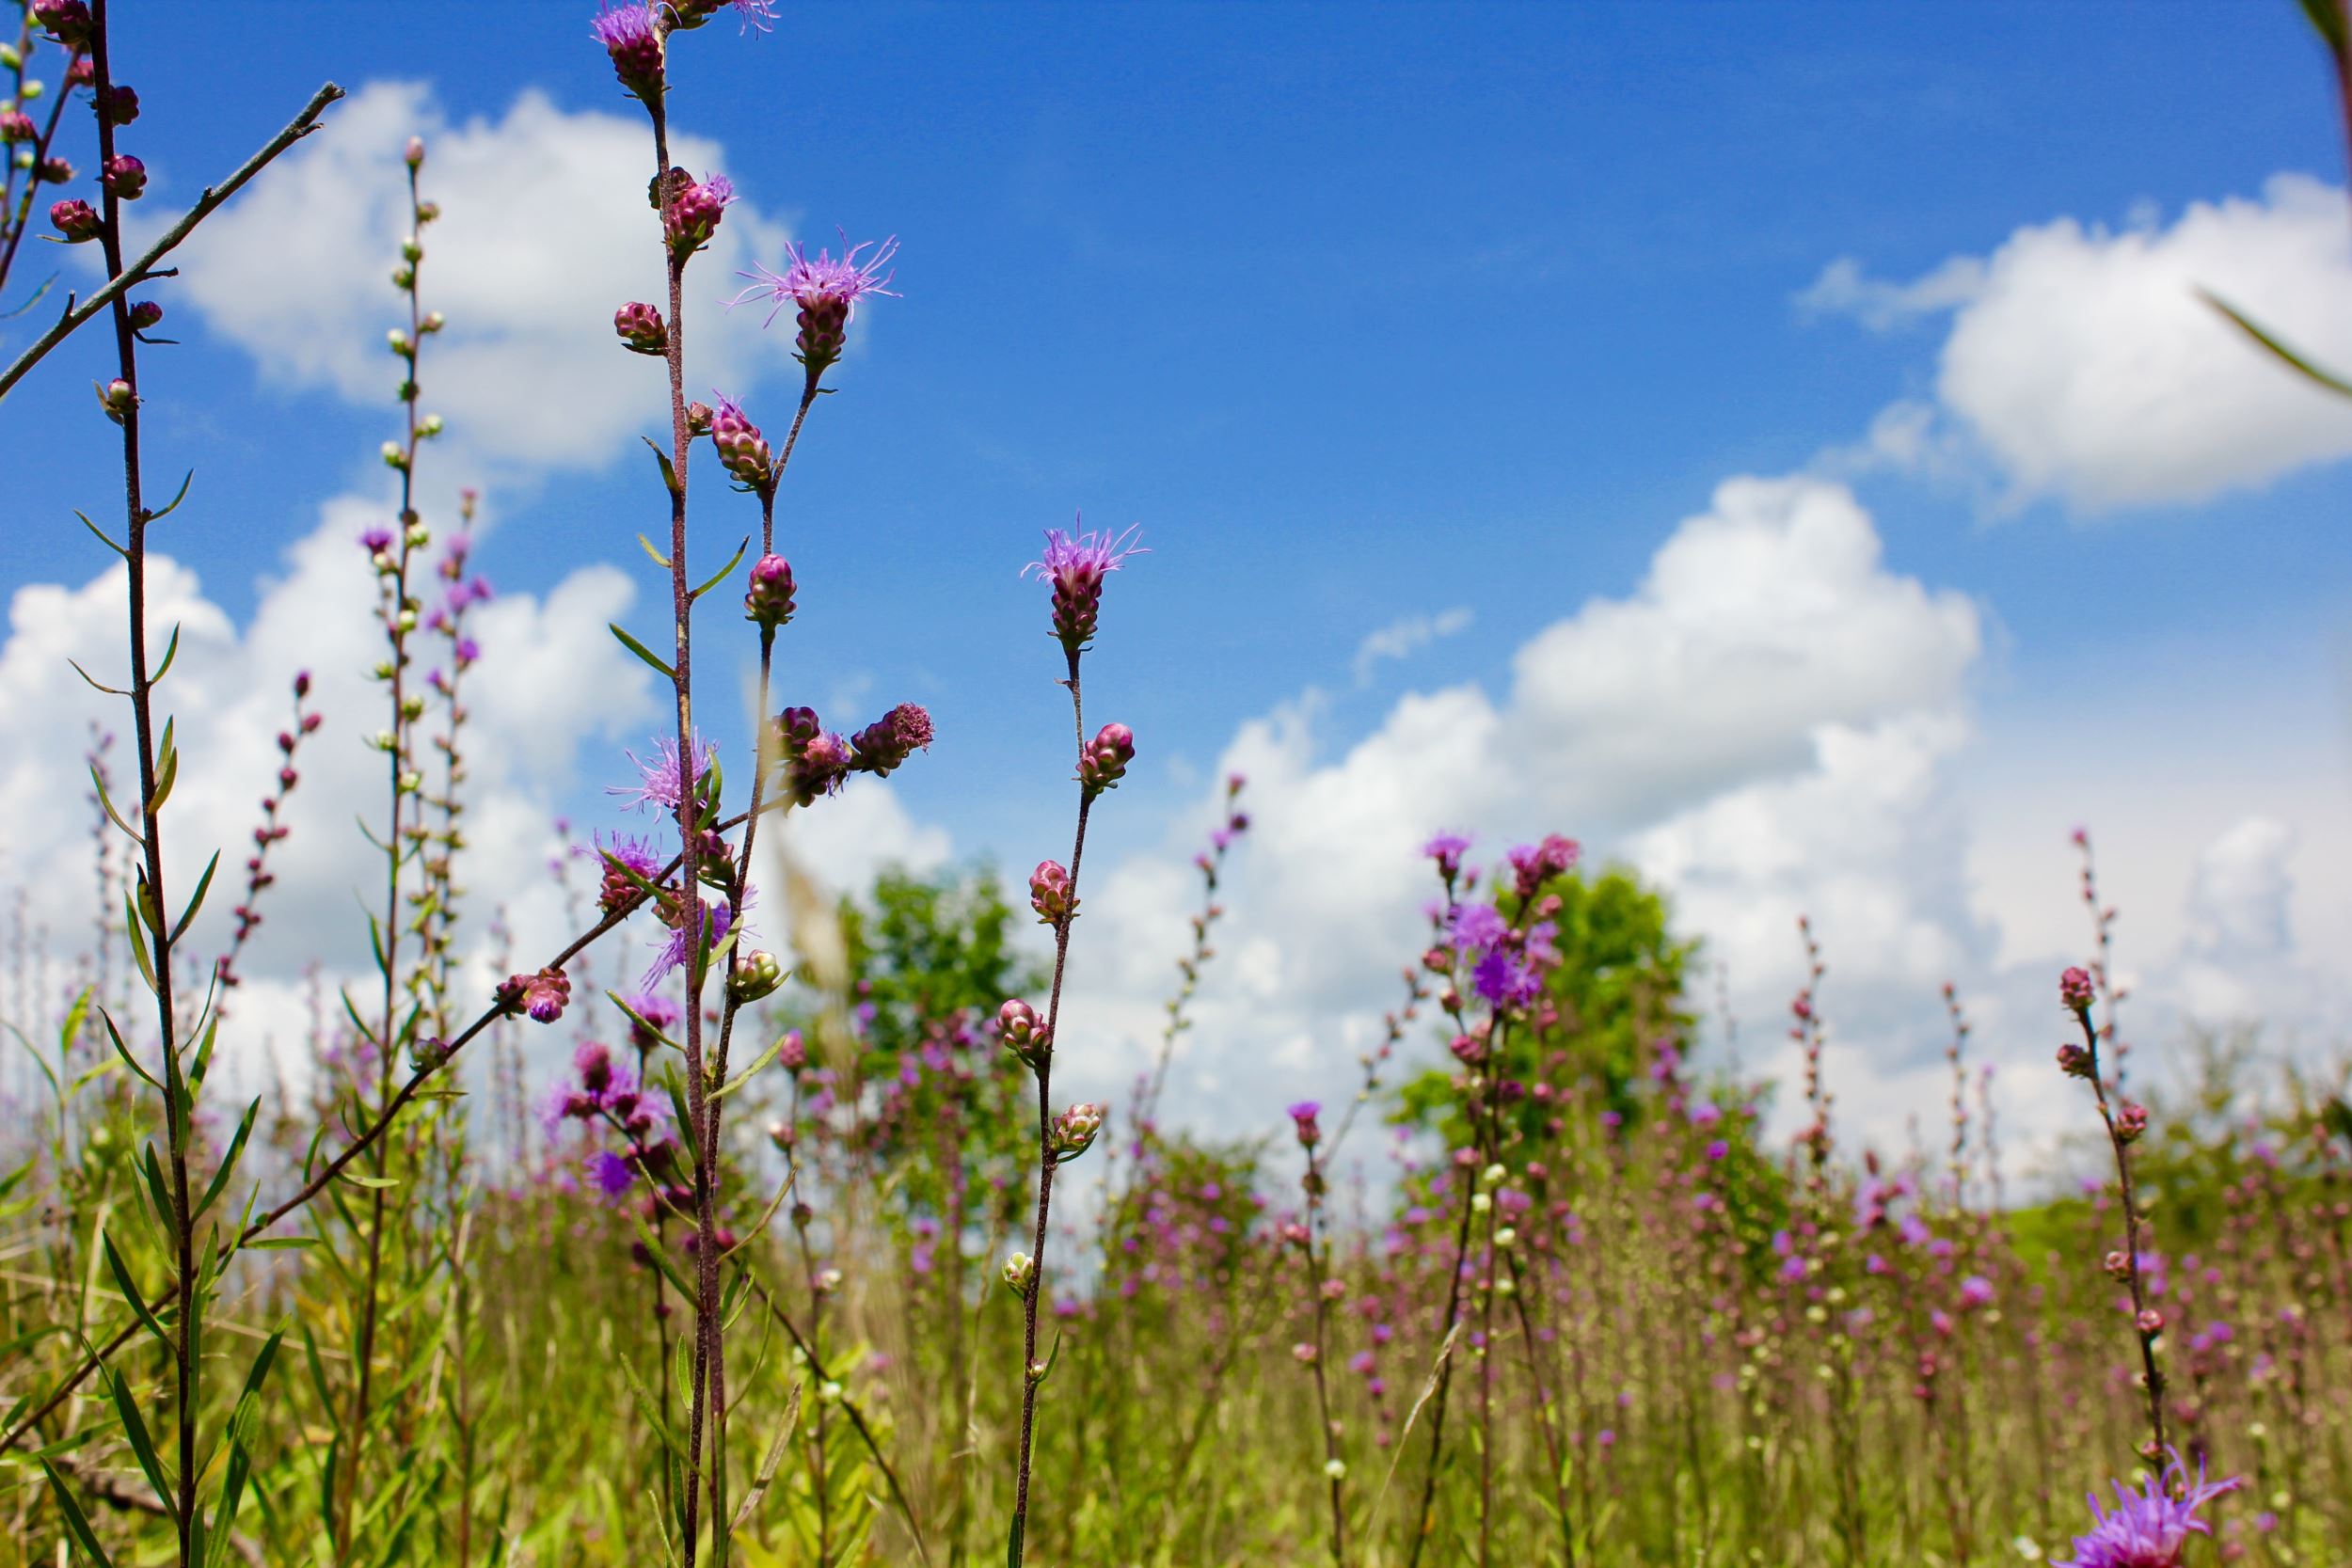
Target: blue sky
(1364,314)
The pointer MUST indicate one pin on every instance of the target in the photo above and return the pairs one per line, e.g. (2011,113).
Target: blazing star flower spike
(769,605)
(1104,761)
(690,215)
(825,289)
(2076,993)
(1051,895)
(628,32)
(1075,565)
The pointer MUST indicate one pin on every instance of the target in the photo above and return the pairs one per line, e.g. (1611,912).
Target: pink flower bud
(75,219)
(125,176)
(2075,990)
(1104,763)
(1051,895)
(769,604)
(640,327)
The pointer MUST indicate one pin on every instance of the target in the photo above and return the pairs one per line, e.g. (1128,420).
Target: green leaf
(107,805)
(229,1160)
(2333,383)
(76,1522)
(104,540)
(95,683)
(169,653)
(121,1270)
(123,1051)
(658,558)
(768,1466)
(174,504)
(167,772)
(135,1428)
(724,571)
(642,652)
(196,901)
(669,474)
(371,1182)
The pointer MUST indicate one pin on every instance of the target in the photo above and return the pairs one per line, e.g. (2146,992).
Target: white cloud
(844,841)
(1760,723)
(549,680)
(1402,639)
(2082,366)
(545,231)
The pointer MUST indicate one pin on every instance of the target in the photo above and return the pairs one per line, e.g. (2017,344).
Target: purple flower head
(612,1174)
(2149,1529)
(1507,979)
(1075,564)
(1536,863)
(2075,991)
(618,888)
(759,14)
(376,540)
(826,288)
(1447,849)
(630,36)
(716,921)
(1303,1116)
(661,781)
(75,219)
(1476,926)
(1976,1290)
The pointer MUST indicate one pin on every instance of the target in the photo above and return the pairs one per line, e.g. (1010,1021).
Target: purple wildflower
(1303,1116)
(630,36)
(1447,849)
(1507,979)
(2148,1530)
(826,289)
(717,919)
(662,779)
(692,214)
(612,1174)
(1477,926)
(1075,564)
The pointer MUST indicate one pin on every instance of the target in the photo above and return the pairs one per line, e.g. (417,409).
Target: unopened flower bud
(2131,1121)
(1104,763)
(67,21)
(692,214)
(75,219)
(1303,1352)
(1303,1121)
(2073,1060)
(117,398)
(698,418)
(414,155)
(742,450)
(1020,1270)
(770,602)
(542,995)
(1072,1131)
(144,314)
(1051,894)
(2075,991)
(122,104)
(755,974)
(2150,1322)
(125,176)
(641,327)
(16,126)
(1025,1032)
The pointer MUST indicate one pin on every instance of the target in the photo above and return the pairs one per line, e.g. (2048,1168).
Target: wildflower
(2148,1530)
(1303,1354)
(2131,1121)
(621,857)
(691,217)
(887,742)
(1976,1290)
(75,219)
(792,1051)
(2073,1060)
(2075,990)
(640,325)
(770,602)
(1072,1131)
(542,995)
(715,920)
(1303,1116)
(661,782)
(742,450)
(1508,979)
(1537,864)
(1052,896)
(125,176)
(1020,1271)
(16,126)
(1477,926)
(1076,564)
(825,289)
(1104,763)
(1335,1468)
(1447,849)
(760,14)
(628,35)
(594,1063)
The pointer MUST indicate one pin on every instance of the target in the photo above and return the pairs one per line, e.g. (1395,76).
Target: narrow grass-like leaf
(76,1522)
(642,652)
(135,1429)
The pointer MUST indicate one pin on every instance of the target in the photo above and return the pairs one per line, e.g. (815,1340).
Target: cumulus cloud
(2082,366)
(545,230)
(550,681)
(1760,723)
(1402,639)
